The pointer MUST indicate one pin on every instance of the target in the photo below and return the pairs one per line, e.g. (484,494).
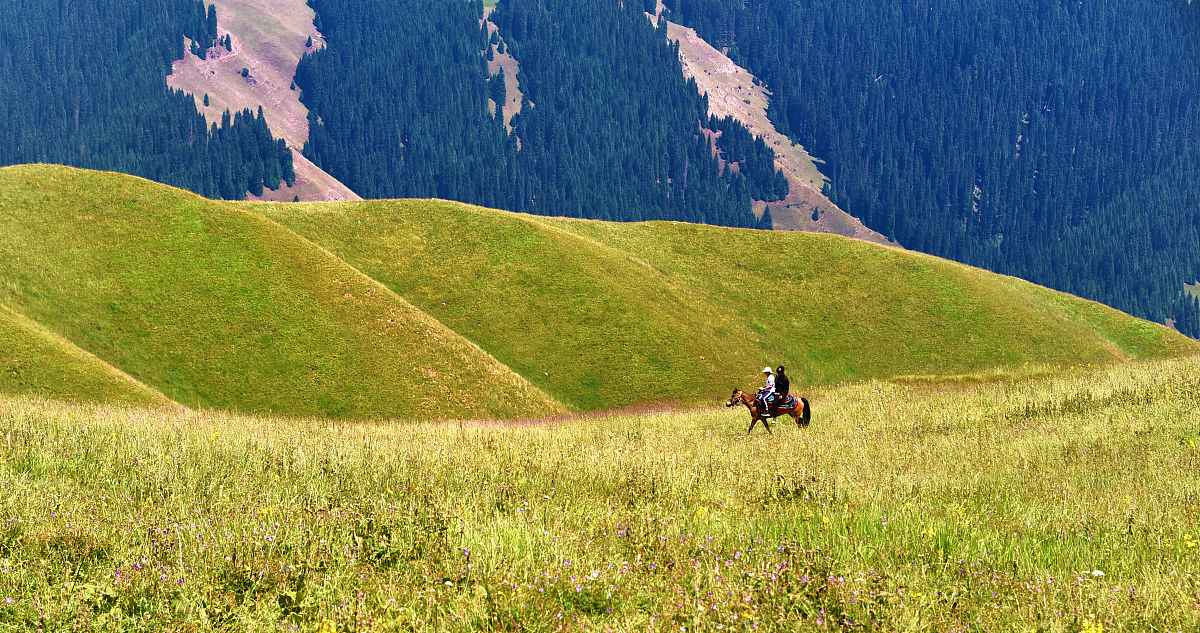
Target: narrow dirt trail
(269,38)
(734,91)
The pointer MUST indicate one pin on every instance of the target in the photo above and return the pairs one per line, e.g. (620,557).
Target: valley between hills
(342,398)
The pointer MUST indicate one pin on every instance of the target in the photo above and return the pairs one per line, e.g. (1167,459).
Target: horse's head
(735,398)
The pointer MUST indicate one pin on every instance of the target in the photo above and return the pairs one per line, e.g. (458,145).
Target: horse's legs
(753,421)
(768,426)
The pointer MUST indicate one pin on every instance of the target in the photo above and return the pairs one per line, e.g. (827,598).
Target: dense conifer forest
(609,127)
(82,83)
(1050,139)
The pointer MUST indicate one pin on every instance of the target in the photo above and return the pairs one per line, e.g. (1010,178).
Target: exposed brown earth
(734,91)
(504,61)
(269,38)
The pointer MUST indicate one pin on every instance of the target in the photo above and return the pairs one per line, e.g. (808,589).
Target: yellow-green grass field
(1193,289)
(424,309)
(603,314)
(1043,500)
(220,308)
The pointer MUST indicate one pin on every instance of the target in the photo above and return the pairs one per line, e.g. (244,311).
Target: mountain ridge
(356,309)
(219,308)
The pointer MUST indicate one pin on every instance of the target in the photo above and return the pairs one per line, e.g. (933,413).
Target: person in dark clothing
(782,385)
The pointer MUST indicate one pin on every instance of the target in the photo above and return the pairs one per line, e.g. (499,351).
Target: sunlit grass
(218,308)
(426,309)
(602,314)
(1057,503)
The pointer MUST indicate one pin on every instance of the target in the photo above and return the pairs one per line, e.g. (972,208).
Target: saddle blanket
(787,403)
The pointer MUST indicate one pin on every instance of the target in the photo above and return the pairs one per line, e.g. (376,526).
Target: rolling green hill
(388,308)
(217,307)
(601,314)
(35,362)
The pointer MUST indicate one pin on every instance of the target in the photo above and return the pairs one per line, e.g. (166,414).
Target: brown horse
(800,412)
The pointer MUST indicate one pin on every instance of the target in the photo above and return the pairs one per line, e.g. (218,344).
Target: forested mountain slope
(610,128)
(1050,140)
(428,309)
(81,83)
(264,38)
(734,93)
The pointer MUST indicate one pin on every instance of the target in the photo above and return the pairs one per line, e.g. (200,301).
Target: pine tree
(766,221)
(211,19)
(100,44)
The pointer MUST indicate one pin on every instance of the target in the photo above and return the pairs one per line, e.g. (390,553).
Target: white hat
(766,370)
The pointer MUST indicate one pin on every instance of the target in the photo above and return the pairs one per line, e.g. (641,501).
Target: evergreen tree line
(82,83)
(754,158)
(1050,139)
(609,128)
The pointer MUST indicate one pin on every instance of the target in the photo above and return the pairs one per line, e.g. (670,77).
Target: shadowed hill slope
(216,307)
(391,308)
(603,314)
(36,362)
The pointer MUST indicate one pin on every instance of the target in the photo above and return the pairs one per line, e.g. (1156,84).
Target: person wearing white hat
(768,391)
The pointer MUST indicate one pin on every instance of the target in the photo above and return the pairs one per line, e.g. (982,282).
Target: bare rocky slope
(269,37)
(734,92)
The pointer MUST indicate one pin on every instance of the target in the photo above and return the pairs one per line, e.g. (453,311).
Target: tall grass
(1053,503)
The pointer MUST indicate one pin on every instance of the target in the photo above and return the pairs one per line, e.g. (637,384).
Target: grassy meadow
(605,314)
(393,309)
(1042,500)
(218,308)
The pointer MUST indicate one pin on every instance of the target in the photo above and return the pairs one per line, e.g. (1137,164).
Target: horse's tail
(806,419)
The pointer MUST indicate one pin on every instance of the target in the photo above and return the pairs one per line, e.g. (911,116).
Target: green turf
(604,314)
(34,361)
(216,307)
(392,308)
(1062,503)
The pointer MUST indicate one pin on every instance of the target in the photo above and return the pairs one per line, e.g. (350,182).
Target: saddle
(781,404)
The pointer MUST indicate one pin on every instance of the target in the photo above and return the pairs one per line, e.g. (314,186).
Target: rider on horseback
(773,400)
(782,384)
(766,395)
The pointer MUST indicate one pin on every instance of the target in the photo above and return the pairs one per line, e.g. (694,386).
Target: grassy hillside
(34,361)
(390,308)
(601,314)
(1059,504)
(216,307)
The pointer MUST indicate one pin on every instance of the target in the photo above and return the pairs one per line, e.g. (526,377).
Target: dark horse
(798,409)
